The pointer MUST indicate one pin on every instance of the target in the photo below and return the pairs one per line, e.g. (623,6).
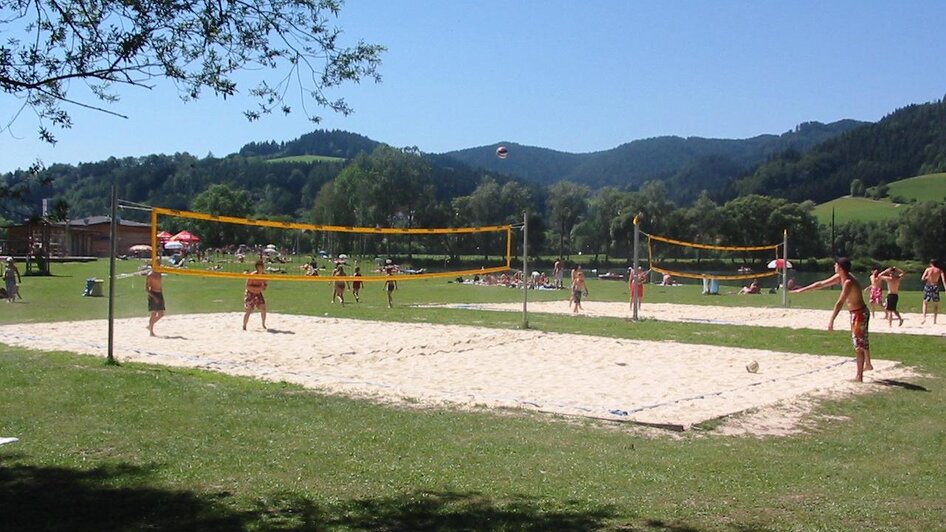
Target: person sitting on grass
(751,289)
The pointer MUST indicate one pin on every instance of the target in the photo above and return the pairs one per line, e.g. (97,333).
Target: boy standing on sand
(356,285)
(155,298)
(253,295)
(860,315)
(933,276)
(390,286)
(876,290)
(892,276)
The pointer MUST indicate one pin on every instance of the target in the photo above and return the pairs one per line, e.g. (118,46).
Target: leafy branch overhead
(198,44)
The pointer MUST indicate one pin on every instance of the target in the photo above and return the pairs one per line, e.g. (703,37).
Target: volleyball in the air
(502,152)
(752,367)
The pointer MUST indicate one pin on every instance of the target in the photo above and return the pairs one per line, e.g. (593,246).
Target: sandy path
(661,383)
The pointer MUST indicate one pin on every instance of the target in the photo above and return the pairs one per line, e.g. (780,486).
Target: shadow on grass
(118,497)
(901,384)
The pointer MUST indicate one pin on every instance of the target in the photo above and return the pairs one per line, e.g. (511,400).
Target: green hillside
(930,187)
(848,209)
(307,159)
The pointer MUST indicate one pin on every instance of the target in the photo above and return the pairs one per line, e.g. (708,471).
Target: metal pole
(525,270)
(111,275)
(785,270)
(632,276)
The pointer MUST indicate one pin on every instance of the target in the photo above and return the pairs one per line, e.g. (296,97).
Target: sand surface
(661,383)
(758,316)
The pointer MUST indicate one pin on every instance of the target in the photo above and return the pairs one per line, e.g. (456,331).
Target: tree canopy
(200,45)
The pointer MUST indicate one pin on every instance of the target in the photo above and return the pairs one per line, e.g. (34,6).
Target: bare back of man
(892,276)
(932,277)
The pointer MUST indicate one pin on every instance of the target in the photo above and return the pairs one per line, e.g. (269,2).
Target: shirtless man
(876,290)
(860,315)
(253,295)
(932,276)
(155,298)
(892,276)
(578,287)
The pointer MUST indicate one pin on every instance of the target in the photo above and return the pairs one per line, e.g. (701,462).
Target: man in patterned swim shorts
(851,294)
(253,295)
(932,276)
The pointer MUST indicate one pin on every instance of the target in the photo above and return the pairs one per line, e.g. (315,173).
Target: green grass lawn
(146,447)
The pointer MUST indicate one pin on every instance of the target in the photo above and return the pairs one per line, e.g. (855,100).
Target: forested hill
(689,164)
(910,141)
(333,143)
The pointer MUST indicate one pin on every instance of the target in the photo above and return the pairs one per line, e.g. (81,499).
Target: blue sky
(571,76)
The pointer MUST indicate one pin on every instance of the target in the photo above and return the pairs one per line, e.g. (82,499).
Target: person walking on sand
(860,314)
(876,290)
(579,288)
(12,280)
(390,286)
(933,277)
(356,285)
(155,298)
(253,295)
(892,276)
(339,285)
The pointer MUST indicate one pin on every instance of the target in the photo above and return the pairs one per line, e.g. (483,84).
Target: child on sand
(860,315)
(876,290)
(356,285)
(892,276)
(253,295)
(390,286)
(155,299)
(339,286)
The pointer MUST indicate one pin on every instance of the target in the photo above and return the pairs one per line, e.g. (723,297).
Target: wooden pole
(525,270)
(632,276)
(111,276)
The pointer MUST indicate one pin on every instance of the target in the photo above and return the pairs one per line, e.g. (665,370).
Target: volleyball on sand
(502,152)
(752,367)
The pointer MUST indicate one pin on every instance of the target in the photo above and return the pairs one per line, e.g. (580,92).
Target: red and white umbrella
(186,237)
(778,264)
(163,236)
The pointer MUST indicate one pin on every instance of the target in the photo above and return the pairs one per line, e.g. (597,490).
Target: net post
(113,247)
(154,239)
(525,269)
(785,268)
(632,278)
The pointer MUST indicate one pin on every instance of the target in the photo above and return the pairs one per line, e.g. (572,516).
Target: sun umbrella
(138,248)
(185,237)
(174,245)
(164,235)
(778,264)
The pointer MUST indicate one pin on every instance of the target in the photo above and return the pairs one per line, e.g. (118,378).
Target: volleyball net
(699,261)
(193,243)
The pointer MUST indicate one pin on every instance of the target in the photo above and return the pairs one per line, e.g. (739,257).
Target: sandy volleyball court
(661,383)
(758,316)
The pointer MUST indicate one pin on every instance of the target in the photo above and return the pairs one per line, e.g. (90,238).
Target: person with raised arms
(852,296)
